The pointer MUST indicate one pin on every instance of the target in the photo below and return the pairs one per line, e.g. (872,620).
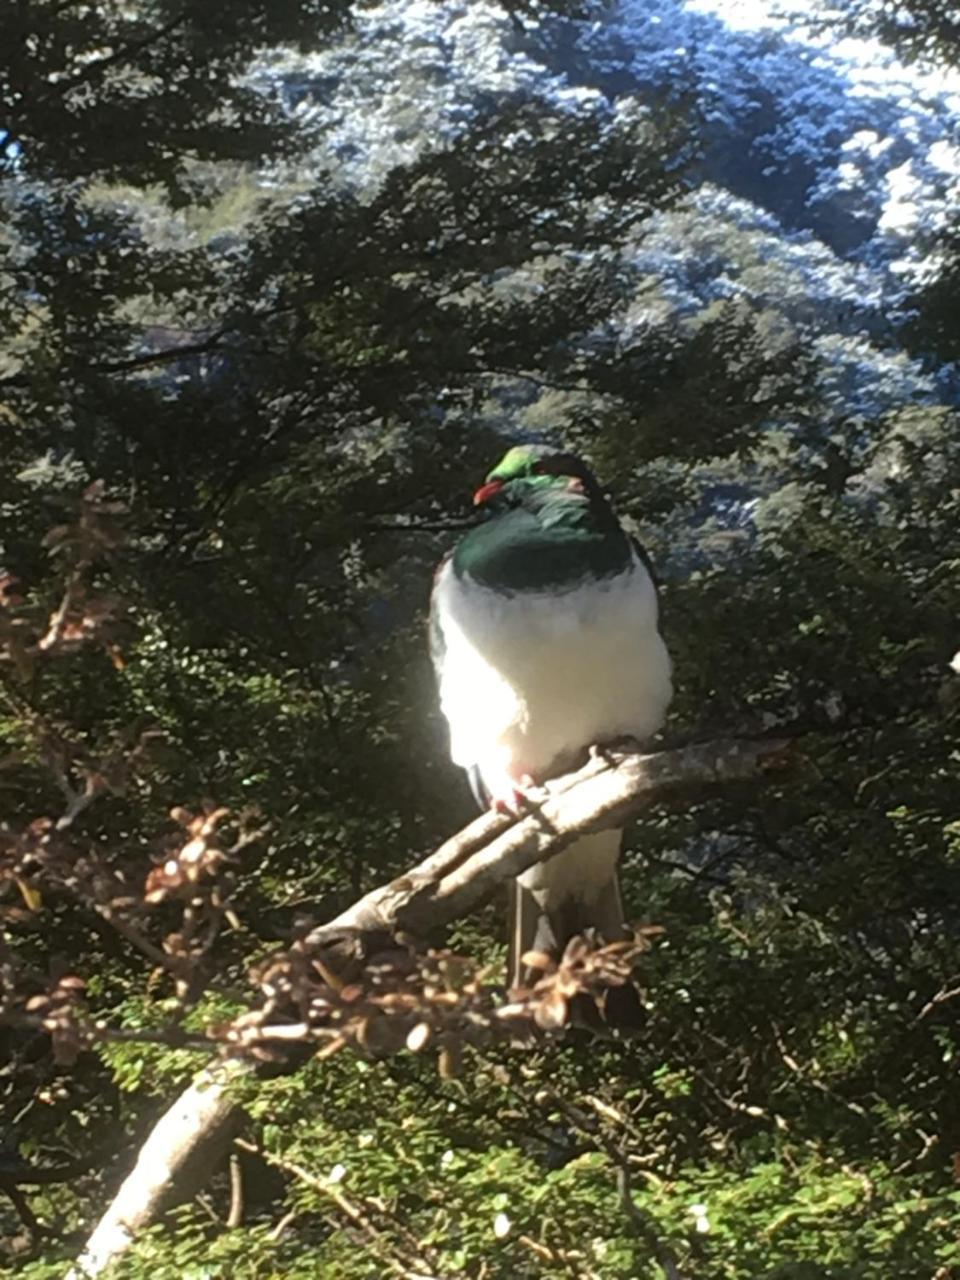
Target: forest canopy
(245,395)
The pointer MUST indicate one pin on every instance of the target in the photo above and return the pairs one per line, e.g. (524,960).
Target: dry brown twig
(195,871)
(83,614)
(606,793)
(347,983)
(409,1262)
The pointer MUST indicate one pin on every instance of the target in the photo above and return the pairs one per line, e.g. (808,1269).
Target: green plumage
(541,535)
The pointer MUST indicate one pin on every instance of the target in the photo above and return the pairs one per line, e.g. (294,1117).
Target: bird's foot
(514,796)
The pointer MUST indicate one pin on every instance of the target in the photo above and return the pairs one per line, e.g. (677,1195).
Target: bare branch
(188,1138)
(356,1212)
(606,793)
(235,1216)
(609,790)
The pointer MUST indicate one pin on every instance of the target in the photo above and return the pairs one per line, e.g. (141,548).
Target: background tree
(291,384)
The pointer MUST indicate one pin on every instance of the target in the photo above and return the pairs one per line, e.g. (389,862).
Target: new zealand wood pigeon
(545,642)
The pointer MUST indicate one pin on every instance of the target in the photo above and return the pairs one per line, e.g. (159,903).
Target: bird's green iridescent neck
(543,536)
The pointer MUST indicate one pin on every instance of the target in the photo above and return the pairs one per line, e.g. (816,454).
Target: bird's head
(534,466)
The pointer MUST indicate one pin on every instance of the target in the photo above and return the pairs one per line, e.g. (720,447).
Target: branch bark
(611,788)
(184,1145)
(606,793)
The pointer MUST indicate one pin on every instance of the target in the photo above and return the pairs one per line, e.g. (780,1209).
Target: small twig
(24,1212)
(928,1142)
(127,929)
(77,801)
(235,1216)
(444,886)
(58,620)
(287,1220)
(642,1224)
(410,1269)
(605,794)
(418,526)
(802,1074)
(941,997)
(203,1200)
(99,1032)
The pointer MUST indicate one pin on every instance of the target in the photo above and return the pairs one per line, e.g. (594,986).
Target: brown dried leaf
(450,1062)
(331,1047)
(649,930)
(419,1037)
(383,1036)
(66,1047)
(576,951)
(56,536)
(9,598)
(551,1013)
(162,881)
(567,984)
(33,899)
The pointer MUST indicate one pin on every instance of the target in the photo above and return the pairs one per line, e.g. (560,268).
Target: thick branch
(609,790)
(605,794)
(183,1147)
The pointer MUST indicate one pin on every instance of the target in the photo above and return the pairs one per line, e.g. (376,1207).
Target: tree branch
(186,1141)
(357,1213)
(609,790)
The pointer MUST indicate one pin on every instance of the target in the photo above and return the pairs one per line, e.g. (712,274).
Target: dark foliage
(282,407)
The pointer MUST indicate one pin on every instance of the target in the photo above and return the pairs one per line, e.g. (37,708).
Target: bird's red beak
(486,492)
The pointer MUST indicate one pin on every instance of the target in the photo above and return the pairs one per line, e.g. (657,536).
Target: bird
(545,641)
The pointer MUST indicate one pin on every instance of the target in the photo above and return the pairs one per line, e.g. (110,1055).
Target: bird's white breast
(531,677)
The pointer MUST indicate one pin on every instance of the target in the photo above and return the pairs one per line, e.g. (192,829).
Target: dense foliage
(282,391)
(918,28)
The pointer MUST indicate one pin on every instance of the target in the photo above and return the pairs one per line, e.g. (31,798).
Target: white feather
(529,679)
(579,871)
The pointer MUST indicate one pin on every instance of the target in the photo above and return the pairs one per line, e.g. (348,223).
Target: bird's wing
(644,557)
(435,636)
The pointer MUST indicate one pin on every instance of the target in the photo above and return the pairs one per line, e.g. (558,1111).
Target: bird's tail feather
(544,918)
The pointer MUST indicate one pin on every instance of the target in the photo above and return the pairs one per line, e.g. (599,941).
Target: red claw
(516,798)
